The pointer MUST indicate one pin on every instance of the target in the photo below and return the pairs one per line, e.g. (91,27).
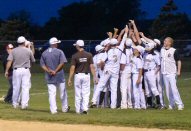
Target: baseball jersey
(137,64)
(21,57)
(151,61)
(95,63)
(51,58)
(82,60)
(126,58)
(100,57)
(112,63)
(168,60)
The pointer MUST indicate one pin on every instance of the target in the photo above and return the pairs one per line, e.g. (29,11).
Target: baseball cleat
(53,113)
(66,110)
(92,105)
(85,112)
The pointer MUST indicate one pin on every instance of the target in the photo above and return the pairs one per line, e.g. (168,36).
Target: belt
(21,67)
(82,73)
(146,70)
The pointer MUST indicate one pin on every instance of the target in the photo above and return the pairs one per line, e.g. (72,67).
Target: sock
(149,101)
(101,97)
(158,100)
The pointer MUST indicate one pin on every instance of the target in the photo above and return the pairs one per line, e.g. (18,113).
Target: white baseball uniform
(125,86)
(111,74)
(169,70)
(159,82)
(97,59)
(138,93)
(150,63)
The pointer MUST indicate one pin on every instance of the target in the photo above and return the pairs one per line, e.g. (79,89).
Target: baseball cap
(114,41)
(105,42)
(139,48)
(99,48)
(54,40)
(157,41)
(21,39)
(10,46)
(79,43)
(129,42)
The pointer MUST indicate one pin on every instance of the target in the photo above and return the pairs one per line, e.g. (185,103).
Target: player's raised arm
(122,43)
(119,38)
(146,38)
(115,34)
(136,31)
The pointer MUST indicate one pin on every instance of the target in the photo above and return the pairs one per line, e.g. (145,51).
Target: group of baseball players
(141,68)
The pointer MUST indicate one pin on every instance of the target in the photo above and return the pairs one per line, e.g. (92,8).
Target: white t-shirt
(97,59)
(126,58)
(112,63)
(136,63)
(151,61)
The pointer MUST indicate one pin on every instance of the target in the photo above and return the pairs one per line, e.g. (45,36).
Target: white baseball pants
(113,80)
(95,86)
(104,90)
(160,87)
(138,94)
(82,91)
(172,92)
(21,82)
(150,83)
(126,90)
(52,97)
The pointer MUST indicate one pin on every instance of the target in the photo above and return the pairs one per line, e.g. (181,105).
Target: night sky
(42,10)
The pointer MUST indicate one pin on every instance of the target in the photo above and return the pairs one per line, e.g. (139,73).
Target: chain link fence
(184,47)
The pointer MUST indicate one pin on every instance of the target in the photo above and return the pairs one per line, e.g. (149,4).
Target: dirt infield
(6,125)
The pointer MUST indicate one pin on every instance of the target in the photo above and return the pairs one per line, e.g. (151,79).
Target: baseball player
(20,57)
(159,80)
(169,59)
(125,75)
(151,68)
(111,71)
(137,69)
(52,62)
(81,65)
(97,59)
(30,46)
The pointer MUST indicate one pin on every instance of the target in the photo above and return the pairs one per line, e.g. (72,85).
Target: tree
(21,15)
(171,23)
(92,19)
(10,30)
(18,24)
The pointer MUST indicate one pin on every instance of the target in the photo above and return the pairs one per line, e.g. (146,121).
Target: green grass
(39,110)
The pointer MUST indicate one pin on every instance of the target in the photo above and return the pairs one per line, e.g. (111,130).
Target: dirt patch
(6,125)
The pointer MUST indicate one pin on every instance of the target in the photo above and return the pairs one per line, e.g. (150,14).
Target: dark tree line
(92,19)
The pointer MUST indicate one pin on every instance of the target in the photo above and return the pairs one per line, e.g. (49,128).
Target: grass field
(39,109)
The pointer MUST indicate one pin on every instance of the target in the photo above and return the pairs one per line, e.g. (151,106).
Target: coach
(81,65)
(52,62)
(20,57)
